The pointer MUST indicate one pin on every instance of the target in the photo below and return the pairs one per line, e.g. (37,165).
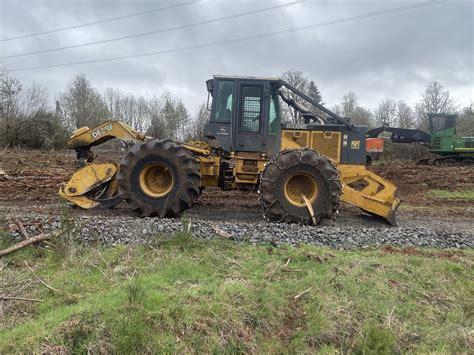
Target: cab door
(272,122)
(251,111)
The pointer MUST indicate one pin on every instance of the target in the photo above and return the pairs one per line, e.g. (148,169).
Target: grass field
(180,294)
(457,195)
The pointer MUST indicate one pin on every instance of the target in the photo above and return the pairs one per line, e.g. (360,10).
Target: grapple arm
(95,185)
(89,137)
(84,138)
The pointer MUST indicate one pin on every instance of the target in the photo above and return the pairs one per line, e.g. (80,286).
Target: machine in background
(442,140)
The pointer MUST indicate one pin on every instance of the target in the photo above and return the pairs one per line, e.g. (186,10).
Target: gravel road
(112,230)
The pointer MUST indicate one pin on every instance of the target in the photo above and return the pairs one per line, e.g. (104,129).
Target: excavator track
(448,160)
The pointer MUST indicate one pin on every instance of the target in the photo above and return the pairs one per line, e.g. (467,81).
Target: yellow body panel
(247,169)
(327,143)
(209,170)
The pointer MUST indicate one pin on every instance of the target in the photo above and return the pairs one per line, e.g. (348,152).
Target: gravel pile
(91,230)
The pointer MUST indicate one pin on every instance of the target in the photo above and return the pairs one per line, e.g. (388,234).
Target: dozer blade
(370,192)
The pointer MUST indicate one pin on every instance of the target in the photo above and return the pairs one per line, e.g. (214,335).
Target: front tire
(296,172)
(159,178)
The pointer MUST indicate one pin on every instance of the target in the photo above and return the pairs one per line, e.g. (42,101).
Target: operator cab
(246,117)
(245,113)
(442,121)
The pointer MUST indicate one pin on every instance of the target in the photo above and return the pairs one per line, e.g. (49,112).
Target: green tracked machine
(450,149)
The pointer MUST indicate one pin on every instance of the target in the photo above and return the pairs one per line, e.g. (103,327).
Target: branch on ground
(26,242)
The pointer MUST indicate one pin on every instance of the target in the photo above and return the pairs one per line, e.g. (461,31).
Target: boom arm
(401,135)
(335,116)
(84,138)
(89,137)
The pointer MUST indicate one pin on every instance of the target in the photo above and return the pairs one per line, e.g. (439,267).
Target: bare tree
(81,105)
(198,122)
(128,108)
(35,99)
(350,108)
(169,117)
(301,82)
(435,99)
(10,91)
(26,118)
(465,125)
(405,115)
(386,113)
(157,126)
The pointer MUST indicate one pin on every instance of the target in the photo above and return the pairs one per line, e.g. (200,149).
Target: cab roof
(238,77)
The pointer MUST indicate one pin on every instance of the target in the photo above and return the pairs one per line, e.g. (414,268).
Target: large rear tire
(159,178)
(296,172)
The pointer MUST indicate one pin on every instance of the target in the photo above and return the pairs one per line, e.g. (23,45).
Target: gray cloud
(392,55)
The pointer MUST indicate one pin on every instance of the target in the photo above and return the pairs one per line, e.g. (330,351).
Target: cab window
(274,114)
(224,100)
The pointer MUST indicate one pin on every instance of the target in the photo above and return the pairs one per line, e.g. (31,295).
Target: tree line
(31,119)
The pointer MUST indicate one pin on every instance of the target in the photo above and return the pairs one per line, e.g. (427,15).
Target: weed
(134,290)
(130,332)
(63,245)
(375,340)
(183,240)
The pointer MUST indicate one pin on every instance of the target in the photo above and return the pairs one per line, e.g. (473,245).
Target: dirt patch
(32,175)
(30,180)
(413,182)
(412,251)
(216,198)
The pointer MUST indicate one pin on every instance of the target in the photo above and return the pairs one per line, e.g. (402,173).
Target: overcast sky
(391,55)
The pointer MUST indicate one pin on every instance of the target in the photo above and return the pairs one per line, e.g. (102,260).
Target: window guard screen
(251,108)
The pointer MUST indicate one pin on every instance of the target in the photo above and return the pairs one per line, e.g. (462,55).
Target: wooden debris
(298,296)
(22,229)
(41,281)
(26,242)
(6,298)
(220,232)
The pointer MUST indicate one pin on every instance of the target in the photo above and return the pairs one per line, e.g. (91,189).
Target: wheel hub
(156,180)
(300,185)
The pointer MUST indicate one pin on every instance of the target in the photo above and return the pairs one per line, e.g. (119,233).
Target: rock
(112,230)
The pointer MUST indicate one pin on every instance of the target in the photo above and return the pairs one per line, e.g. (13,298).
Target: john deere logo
(101,131)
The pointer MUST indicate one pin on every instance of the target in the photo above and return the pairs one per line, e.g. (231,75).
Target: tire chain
(334,194)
